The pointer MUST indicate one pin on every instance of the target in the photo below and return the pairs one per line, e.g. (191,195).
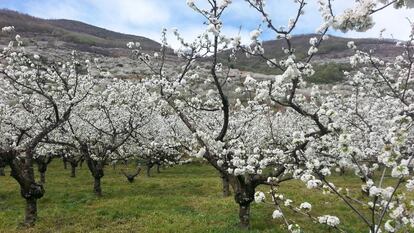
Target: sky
(148,17)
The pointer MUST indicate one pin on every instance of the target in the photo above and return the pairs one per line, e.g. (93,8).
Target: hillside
(54,36)
(71,34)
(333,50)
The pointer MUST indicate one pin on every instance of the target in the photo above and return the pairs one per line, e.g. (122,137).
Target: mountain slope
(333,49)
(71,34)
(59,34)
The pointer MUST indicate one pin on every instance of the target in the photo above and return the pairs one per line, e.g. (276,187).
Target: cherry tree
(271,132)
(43,161)
(367,130)
(196,96)
(131,177)
(304,151)
(103,123)
(36,97)
(162,142)
(73,157)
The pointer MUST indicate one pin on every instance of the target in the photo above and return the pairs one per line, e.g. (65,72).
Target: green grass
(329,73)
(181,199)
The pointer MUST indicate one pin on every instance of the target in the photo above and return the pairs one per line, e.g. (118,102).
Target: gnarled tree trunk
(97,187)
(244,189)
(42,163)
(226,185)
(149,166)
(65,163)
(31,212)
(22,171)
(43,177)
(42,167)
(74,162)
(97,171)
(244,215)
(73,170)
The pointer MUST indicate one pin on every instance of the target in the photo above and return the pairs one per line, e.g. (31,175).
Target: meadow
(184,198)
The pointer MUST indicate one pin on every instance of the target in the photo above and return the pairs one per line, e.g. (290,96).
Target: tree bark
(244,215)
(96,168)
(158,168)
(149,170)
(65,163)
(31,212)
(97,173)
(22,171)
(43,177)
(73,171)
(226,186)
(244,189)
(97,187)
(42,164)
(42,168)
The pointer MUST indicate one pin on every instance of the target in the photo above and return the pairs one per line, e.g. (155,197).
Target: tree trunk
(244,189)
(42,168)
(226,186)
(97,171)
(73,171)
(158,168)
(22,171)
(43,177)
(2,173)
(244,215)
(65,163)
(149,170)
(31,212)
(97,187)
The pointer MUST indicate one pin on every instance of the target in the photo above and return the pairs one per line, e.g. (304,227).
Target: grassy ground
(180,199)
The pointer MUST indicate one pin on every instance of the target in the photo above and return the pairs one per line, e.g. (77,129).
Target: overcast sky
(148,17)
